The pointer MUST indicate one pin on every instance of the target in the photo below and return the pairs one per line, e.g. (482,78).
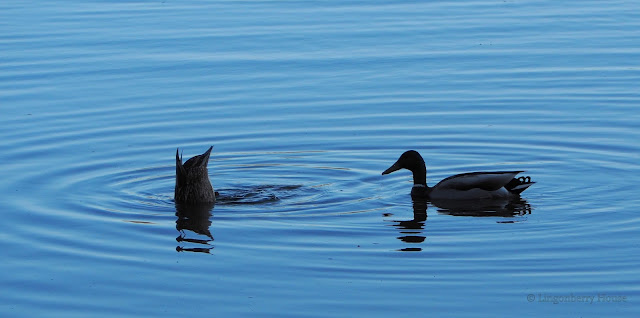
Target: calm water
(306,104)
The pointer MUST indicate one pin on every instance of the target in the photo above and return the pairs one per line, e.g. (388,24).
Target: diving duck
(192,180)
(465,186)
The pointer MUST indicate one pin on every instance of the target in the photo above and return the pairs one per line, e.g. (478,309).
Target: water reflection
(484,208)
(196,219)
(412,231)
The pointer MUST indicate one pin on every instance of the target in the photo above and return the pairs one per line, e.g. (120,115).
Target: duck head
(412,161)
(192,180)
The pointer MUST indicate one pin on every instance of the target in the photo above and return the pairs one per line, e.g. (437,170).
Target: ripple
(138,179)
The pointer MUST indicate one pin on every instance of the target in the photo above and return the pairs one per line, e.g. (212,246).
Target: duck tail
(181,173)
(517,185)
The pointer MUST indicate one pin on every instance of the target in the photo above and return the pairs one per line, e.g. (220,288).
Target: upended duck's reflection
(196,219)
(412,231)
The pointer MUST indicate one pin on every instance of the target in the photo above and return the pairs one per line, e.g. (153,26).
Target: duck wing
(489,181)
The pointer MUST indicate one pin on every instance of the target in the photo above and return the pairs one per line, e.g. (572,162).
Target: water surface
(305,105)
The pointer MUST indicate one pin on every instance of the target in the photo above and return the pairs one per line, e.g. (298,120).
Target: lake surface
(306,103)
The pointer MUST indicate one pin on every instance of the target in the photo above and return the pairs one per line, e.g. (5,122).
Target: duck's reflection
(412,231)
(196,219)
(484,208)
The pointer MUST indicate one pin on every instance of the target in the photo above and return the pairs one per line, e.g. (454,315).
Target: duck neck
(420,177)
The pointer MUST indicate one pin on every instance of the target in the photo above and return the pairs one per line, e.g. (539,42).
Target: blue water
(306,104)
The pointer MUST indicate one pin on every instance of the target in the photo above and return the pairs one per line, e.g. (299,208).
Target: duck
(192,180)
(464,186)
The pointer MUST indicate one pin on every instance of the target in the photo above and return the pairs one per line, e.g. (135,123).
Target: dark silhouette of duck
(192,180)
(465,186)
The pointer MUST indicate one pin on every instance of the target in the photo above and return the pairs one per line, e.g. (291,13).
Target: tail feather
(517,185)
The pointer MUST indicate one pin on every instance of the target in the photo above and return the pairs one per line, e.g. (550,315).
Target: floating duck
(192,180)
(465,186)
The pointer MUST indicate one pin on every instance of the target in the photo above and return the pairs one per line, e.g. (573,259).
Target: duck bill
(394,167)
